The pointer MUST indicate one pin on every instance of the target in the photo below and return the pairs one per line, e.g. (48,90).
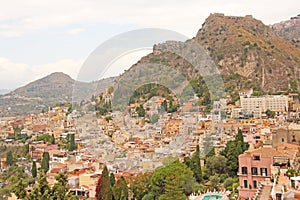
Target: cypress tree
(196,166)
(112,179)
(45,162)
(103,188)
(120,189)
(72,146)
(232,159)
(52,139)
(33,169)
(9,158)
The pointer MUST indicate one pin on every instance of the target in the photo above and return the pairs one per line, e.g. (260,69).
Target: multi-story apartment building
(255,169)
(257,105)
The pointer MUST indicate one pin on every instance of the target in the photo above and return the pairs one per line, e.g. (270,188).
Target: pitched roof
(264,152)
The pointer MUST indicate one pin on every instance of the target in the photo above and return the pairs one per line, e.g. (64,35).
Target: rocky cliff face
(289,29)
(247,47)
(246,52)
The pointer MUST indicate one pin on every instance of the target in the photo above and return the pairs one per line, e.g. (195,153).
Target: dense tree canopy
(215,165)
(60,190)
(140,185)
(173,181)
(231,152)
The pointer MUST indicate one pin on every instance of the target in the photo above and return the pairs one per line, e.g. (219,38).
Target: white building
(257,105)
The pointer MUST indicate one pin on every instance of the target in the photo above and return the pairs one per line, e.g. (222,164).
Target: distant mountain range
(289,29)
(47,91)
(247,53)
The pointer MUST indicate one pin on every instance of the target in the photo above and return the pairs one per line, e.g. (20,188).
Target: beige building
(88,179)
(289,134)
(257,105)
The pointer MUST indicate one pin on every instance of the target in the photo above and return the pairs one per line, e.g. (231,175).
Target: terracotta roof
(264,152)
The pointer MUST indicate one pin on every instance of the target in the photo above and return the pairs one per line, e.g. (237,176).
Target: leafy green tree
(172,181)
(9,158)
(141,111)
(34,169)
(214,180)
(215,165)
(187,161)
(45,162)
(103,188)
(60,190)
(120,189)
(196,167)
(211,153)
(231,152)
(149,196)
(44,137)
(140,185)
(19,190)
(228,183)
(42,191)
(270,114)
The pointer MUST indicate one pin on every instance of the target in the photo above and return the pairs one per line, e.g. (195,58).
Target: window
(282,139)
(263,171)
(294,139)
(254,184)
(256,157)
(254,170)
(244,170)
(245,184)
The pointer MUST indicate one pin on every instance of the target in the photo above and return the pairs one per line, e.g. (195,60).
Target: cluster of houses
(129,144)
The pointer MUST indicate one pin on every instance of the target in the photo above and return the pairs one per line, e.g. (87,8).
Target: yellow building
(88,179)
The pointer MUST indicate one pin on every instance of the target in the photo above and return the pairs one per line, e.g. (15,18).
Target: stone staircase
(265,192)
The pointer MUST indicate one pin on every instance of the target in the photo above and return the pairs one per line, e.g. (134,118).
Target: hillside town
(143,138)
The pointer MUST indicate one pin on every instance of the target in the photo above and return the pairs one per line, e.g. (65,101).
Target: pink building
(255,168)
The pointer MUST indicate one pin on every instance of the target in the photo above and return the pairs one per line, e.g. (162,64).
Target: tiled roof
(264,152)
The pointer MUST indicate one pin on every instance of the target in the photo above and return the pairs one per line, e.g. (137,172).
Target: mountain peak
(59,75)
(252,50)
(289,29)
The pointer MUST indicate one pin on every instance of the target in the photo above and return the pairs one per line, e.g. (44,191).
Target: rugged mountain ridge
(245,51)
(47,91)
(252,50)
(289,29)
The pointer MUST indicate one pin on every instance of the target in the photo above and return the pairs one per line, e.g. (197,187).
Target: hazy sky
(40,37)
